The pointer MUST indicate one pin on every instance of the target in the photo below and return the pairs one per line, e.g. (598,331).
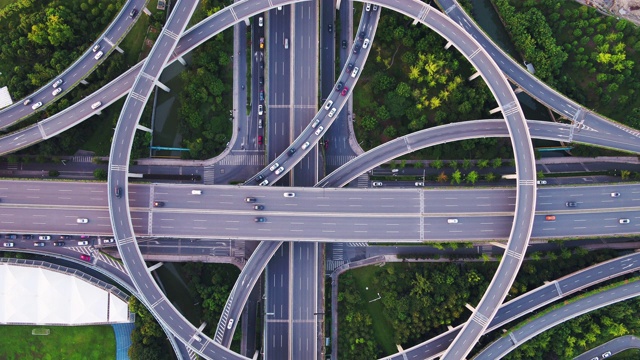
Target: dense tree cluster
(595,57)
(415,83)
(411,291)
(39,39)
(148,340)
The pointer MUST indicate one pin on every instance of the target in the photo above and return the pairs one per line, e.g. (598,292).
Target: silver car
(319,130)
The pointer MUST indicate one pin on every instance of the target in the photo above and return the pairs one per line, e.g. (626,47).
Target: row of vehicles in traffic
(42,240)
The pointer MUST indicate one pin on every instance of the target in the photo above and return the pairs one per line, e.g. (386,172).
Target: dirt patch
(627,9)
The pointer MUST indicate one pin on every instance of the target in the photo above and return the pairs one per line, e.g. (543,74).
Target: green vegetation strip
(63,342)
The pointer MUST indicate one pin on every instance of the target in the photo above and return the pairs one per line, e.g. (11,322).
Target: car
(305,145)
(158,203)
(570,204)
(260,139)
(419,183)
(260,111)
(375,8)
(260,219)
(344,91)
(315,123)
(27,237)
(12,236)
(319,130)
(261,64)
(274,167)
(264,183)
(96,105)
(624,221)
(339,85)
(349,67)
(615,194)
(82,220)
(44,237)
(291,151)
(8,244)
(260,21)
(118,191)
(96,48)
(26,102)
(279,8)
(38,244)
(541,182)
(330,27)
(354,72)
(98,55)
(606,355)
(376,184)
(550,218)
(84,236)
(259,123)
(356,48)
(328,105)
(108,241)
(452,221)
(280,170)
(196,192)
(286,43)
(332,112)
(261,94)
(261,80)
(58,83)
(56,91)
(258,207)
(133,13)
(36,105)
(65,237)
(344,44)
(289,194)
(368,7)
(230,324)
(259,178)
(595,358)
(365,43)
(58,243)
(261,43)
(85,257)
(361,35)
(83,243)
(250,199)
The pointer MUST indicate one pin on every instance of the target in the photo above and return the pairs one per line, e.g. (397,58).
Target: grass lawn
(132,43)
(64,342)
(382,328)
(4,3)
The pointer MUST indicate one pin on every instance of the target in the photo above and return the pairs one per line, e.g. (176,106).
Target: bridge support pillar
(497,244)
(449,327)
(518,90)
(163,86)
(246,22)
(446,47)
(498,109)
(474,75)
(146,11)
(99,113)
(202,327)
(184,63)
(84,82)
(400,349)
(117,48)
(154,267)
(255,356)
(144,128)
(471,308)
(337,4)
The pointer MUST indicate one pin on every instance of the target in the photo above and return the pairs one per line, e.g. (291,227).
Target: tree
(472,177)
(540,175)
(490,177)
(482,163)
(100,174)
(496,163)
(436,164)
(54,173)
(453,164)
(442,177)
(466,164)
(456,177)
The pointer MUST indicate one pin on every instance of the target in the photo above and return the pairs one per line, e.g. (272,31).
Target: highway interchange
(153,66)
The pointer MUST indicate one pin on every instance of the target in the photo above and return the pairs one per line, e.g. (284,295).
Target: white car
(305,145)
(615,194)
(289,194)
(44,237)
(368,7)
(286,43)
(376,184)
(96,48)
(98,55)
(452,221)
(541,182)
(260,112)
(82,220)
(274,166)
(328,106)
(280,170)
(319,130)
(623,221)
(82,243)
(56,91)
(108,241)
(58,83)
(315,123)
(8,244)
(230,323)
(264,183)
(36,105)
(419,183)
(96,105)
(332,112)
(354,72)
(365,43)
(375,7)
(260,21)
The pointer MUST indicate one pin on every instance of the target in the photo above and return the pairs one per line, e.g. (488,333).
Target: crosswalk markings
(82,159)
(242,159)
(363,181)
(209,174)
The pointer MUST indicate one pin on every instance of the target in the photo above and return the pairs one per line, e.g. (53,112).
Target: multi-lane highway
(79,70)
(531,301)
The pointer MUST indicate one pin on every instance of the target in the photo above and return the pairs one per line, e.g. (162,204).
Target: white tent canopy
(36,295)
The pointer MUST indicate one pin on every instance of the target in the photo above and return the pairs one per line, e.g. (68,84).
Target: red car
(259,139)
(344,91)
(85,257)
